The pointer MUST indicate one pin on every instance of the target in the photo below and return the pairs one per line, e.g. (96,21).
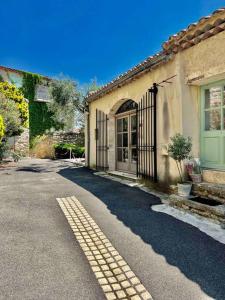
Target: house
(37,93)
(181,89)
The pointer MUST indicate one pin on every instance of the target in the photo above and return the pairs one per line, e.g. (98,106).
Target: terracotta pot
(196,178)
(184,189)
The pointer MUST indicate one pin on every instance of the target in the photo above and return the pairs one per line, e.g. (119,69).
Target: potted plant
(179,149)
(196,174)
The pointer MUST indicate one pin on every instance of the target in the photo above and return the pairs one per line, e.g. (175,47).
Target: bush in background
(43,147)
(62,150)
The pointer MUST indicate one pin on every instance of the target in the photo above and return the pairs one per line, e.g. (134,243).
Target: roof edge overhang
(144,67)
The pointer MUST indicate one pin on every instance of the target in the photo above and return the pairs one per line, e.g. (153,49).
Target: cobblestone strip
(112,272)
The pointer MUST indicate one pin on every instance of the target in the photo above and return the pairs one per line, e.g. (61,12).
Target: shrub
(179,149)
(11,92)
(4,148)
(11,116)
(43,147)
(62,150)
(2,128)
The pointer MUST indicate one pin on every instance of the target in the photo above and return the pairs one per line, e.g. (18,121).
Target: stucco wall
(178,103)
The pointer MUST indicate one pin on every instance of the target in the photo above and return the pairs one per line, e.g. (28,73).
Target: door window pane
(133,138)
(133,123)
(125,140)
(125,154)
(119,125)
(119,140)
(213,119)
(133,155)
(213,97)
(119,154)
(224,95)
(224,119)
(125,124)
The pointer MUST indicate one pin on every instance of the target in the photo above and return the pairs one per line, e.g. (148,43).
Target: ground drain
(112,272)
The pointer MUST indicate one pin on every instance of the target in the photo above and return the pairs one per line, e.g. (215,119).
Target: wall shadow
(199,257)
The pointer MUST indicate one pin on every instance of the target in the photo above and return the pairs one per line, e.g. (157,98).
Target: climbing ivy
(40,118)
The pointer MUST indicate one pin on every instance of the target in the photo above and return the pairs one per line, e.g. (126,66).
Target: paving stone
(140,288)
(130,291)
(102,281)
(146,296)
(110,296)
(136,297)
(120,294)
(116,286)
(106,288)
(110,269)
(125,284)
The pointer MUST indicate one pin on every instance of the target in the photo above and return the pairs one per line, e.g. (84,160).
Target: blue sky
(85,39)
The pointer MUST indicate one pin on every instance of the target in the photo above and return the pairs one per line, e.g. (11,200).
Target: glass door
(213,126)
(126,137)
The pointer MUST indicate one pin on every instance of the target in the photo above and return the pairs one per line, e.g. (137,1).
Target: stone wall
(69,137)
(20,143)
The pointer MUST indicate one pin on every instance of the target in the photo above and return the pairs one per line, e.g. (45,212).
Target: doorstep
(213,176)
(210,190)
(123,175)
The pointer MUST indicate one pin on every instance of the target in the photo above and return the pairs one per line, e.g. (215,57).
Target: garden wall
(69,137)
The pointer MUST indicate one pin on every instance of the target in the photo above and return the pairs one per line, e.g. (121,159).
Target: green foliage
(65,100)
(4,147)
(11,115)
(11,92)
(41,119)
(62,150)
(2,128)
(179,149)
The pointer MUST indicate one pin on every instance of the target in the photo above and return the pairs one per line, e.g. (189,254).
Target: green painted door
(213,125)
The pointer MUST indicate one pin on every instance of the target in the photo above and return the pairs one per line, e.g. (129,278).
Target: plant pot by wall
(196,178)
(184,189)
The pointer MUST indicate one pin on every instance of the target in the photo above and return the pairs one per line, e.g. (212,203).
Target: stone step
(214,176)
(210,191)
(123,175)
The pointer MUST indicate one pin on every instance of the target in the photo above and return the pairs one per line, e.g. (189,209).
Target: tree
(179,149)
(65,100)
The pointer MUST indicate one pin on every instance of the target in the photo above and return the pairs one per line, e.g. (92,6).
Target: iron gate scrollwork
(147,135)
(101,137)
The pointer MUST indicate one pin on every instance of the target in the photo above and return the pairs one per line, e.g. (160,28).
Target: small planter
(184,189)
(196,178)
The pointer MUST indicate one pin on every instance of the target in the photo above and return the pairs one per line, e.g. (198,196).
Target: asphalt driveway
(40,258)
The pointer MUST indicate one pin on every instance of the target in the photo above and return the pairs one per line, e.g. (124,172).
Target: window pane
(119,154)
(134,155)
(224,95)
(224,119)
(119,140)
(125,140)
(213,97)
(125,154)
(213,120)
(119,125)
(133,138)
(125,124)
(133,123)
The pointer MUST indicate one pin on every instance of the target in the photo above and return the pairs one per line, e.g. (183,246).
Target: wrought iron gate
(101,136)
(147,135)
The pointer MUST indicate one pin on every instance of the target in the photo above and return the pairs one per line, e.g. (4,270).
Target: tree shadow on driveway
(199,257)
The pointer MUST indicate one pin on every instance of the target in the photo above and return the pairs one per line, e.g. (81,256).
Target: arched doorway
(126,137)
